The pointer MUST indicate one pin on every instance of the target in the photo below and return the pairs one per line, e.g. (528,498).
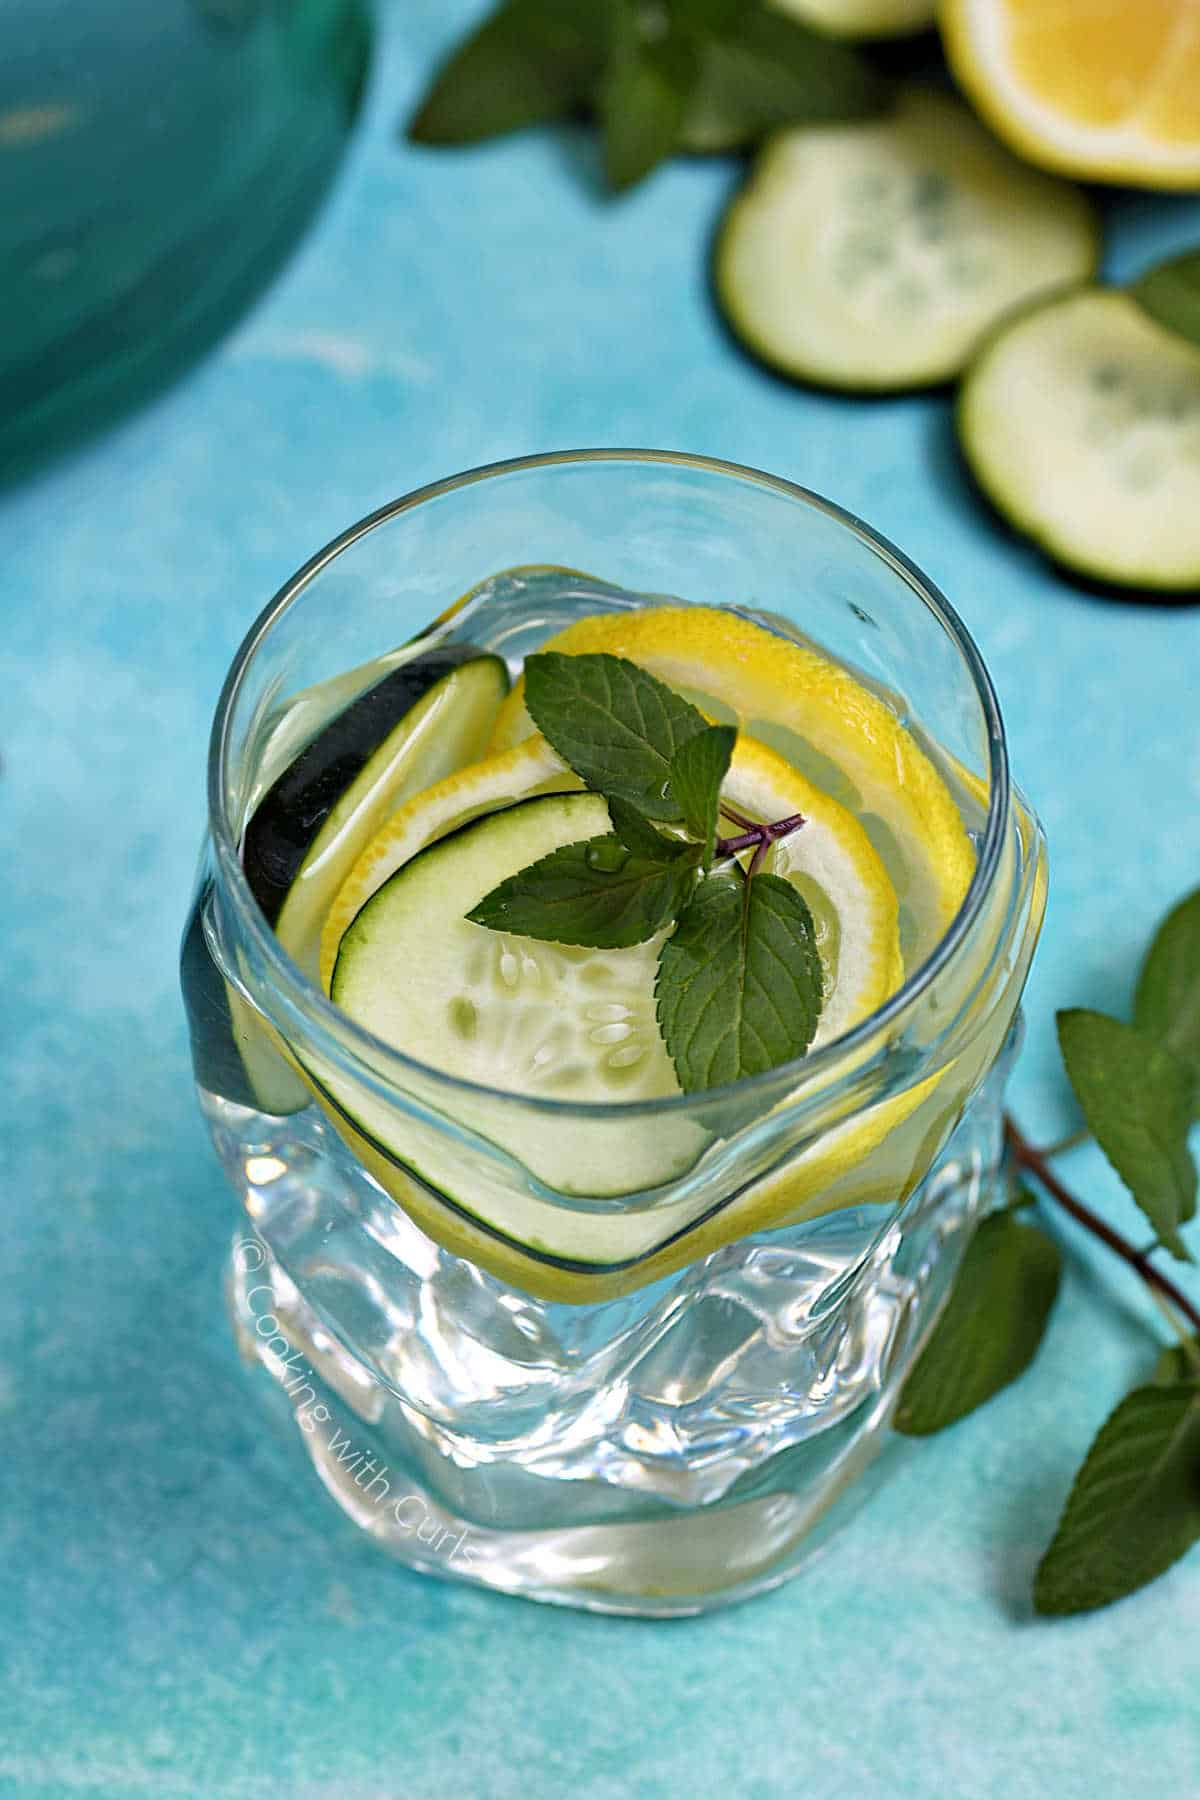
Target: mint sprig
(740,985)
(1134,1508)
(660,76)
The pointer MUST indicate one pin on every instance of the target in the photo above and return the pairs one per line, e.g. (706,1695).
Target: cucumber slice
(411,728)
(872,256)
(419,724)
(1081,422)
(550,1021)
(862,18)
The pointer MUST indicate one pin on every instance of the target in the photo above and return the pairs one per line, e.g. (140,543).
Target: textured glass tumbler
(675,1426)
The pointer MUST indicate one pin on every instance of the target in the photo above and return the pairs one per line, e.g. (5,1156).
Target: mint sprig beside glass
(1134,1508)
(740,984)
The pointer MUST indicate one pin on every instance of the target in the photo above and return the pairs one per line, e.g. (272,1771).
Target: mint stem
(759,838)
(1027,1157)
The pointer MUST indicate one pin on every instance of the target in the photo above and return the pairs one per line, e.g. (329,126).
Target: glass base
(678,1449)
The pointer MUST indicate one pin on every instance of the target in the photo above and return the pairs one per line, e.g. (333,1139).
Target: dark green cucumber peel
(292,812)
(550,1258)
(218,1066)
(277,839)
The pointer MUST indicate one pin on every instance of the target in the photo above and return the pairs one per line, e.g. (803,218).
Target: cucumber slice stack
(420,723)
(1080,420)
(873,256)
(409,729)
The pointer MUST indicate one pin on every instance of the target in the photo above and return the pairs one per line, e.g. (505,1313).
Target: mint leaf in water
(1170,293)
(991,1327)
(698,768)
(530,61)
(1167,1003)
(616,725)
(1135,1505)
(739,984)
(644,95)
(760,70)
(1137,1100)
(596,892)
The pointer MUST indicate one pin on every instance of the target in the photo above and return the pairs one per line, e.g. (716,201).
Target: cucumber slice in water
(420,723)
(1081,422)
(553,1021)
(872,256)
(416,725)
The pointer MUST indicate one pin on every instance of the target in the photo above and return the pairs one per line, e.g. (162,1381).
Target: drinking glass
(660,1401)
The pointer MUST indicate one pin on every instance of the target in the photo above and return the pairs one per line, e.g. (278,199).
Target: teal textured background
(182,1612)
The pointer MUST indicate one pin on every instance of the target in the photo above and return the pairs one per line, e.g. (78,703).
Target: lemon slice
(529,768)
(1105,89)
(837,732)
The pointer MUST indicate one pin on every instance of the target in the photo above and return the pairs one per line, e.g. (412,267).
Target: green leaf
(1178,1363)
(1170,293)
(644,95)
(991,1327)
(740,983)
(1167,1002)
(594,892)
(698,768)
(530,60)
(637,833)
(1135,1505)
(1137,1101)
(616,725)
(763,71)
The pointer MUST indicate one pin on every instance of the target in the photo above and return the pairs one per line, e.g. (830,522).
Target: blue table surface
(182,1612)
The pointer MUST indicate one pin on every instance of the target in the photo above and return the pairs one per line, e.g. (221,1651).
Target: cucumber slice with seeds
(1080,420)
(873,256)
(551,1021)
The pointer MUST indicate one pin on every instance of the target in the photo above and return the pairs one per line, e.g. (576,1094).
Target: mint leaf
(698,768)
(1178,1362)
(1135,1505)
(740,984)
(616,725)
(637,833)
(760,71)
(594,892)
(1137,1101)
(531,60)
(643,97)
(1167,1003)
(991,1327)
(1170,293)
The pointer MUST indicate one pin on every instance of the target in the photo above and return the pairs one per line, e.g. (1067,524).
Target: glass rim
(304,995)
